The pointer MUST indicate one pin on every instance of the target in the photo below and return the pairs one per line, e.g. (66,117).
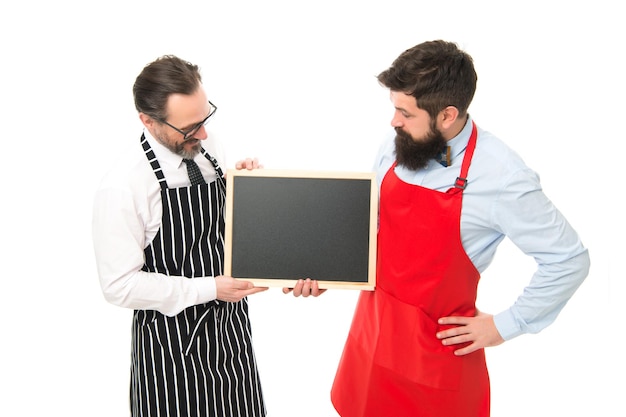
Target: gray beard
(188,154)
(178,148)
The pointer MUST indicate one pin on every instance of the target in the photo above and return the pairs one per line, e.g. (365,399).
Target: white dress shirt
(127,216)
(504,198)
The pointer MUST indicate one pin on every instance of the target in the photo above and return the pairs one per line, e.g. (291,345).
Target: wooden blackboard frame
(359,194)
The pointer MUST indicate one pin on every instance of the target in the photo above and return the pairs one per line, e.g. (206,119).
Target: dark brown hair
(437,73)
(158,80)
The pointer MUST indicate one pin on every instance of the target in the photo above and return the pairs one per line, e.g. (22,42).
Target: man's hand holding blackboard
(305,288)
(249,164)
(232,290)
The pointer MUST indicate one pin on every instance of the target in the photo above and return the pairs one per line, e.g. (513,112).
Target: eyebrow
(191,126)
(196,123)
(403,110)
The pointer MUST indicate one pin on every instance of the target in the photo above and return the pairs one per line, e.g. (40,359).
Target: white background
(295,85)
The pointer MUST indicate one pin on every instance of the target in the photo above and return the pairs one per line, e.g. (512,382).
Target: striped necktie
(194,172)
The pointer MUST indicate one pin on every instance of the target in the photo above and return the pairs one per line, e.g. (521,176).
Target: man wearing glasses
(159,221)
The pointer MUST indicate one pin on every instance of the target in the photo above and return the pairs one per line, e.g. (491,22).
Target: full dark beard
(415,155)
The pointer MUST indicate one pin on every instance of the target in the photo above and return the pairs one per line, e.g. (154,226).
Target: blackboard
(284,225)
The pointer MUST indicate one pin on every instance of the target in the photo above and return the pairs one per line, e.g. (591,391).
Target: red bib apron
(392,364)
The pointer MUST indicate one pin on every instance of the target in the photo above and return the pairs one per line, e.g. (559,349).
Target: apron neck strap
(461,180)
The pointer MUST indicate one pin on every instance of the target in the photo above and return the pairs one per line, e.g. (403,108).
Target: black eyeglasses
(189,134)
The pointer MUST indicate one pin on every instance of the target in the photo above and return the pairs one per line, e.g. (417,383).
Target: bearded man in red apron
(415,347)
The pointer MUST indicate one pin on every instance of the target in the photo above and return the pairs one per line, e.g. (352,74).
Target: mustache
(401,133)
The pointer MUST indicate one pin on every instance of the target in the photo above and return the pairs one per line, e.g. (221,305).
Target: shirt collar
(458,143)
(164,155)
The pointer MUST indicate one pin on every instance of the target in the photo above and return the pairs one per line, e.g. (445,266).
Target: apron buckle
(460,183)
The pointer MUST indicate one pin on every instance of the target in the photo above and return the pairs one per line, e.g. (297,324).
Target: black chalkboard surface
(283,225)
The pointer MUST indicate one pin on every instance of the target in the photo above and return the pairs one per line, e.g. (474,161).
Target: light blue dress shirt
(504,198)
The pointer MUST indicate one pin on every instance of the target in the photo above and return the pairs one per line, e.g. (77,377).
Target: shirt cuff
(507,325)
(207,289)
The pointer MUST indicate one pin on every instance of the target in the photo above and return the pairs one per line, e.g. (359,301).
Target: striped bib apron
(199,363)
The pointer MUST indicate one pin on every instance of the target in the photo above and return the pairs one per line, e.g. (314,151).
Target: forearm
(119,240)
(543,299)
(152,291)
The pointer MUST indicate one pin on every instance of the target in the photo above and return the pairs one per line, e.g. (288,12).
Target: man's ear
(147,121)
(448,116)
